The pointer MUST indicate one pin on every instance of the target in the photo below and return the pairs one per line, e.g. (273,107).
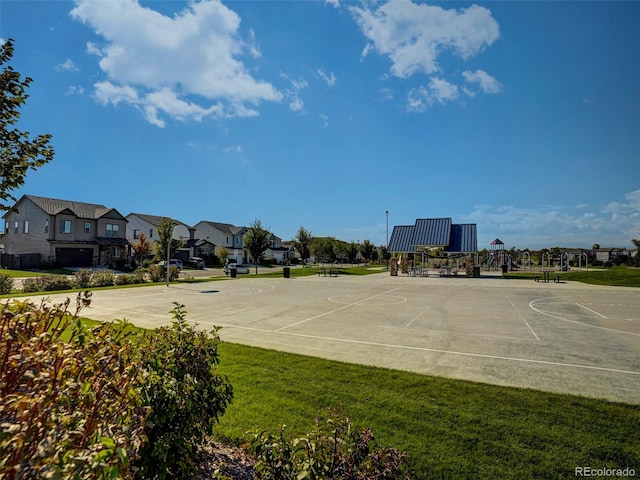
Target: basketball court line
(334,310)
(464,354)
(531,305)
(522,317)
(592,311)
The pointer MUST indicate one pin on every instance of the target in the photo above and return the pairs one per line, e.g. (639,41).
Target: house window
(87,227)
(136,234)
(65,226)
(237,240)
(228,242)
(46,226)
(16,226)
(25,226)
(116,251)
(151,233)
(113,230)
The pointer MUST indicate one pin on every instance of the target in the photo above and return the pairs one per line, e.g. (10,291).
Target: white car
(174,262)
(238,267)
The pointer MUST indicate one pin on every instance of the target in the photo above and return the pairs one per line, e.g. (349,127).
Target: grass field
(451,428)
(616,276)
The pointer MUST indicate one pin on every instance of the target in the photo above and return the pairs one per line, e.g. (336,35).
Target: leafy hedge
(71,408)
(186,394)
(334,449)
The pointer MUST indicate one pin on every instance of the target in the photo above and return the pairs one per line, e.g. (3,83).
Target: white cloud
(329,79)
(612,225)
(165,64)
(75,90)
(486,82)
(296,104)
(325,120)
(67,66)
(333,3)
(414,35)
(438,90)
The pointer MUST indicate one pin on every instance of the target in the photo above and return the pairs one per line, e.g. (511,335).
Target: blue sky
(522,117)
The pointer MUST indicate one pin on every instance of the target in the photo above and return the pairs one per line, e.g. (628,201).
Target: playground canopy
(428,233)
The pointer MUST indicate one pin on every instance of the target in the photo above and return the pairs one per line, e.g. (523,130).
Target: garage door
(74,257)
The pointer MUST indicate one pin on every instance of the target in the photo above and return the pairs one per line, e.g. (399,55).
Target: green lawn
(451,429)
(617,276)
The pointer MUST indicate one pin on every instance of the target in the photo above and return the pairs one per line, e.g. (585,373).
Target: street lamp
(387,252)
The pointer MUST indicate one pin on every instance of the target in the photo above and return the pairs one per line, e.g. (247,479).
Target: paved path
(566,337)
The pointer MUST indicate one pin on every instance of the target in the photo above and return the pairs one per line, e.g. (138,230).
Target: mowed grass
(450,428)
(616,276)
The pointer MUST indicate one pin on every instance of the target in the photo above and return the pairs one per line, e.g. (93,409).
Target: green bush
(69,409)
(186,394)
(47,283)
(83,278)
(335,449)
(129,278)
(6,284)
(103,278)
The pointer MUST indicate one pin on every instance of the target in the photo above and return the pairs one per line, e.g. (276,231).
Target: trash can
(476,272)
(505,269)
(233,272)
(286,272)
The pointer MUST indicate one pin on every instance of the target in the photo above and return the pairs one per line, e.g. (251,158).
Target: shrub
(158,273)
(333,450)
(130,279)
(103,278)
(186,394)
(47,283)
(83,278)
(68,409)
(6,284)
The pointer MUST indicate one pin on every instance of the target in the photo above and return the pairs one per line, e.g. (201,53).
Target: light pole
(387,252)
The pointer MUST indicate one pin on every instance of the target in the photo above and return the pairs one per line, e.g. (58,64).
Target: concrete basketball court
(560,337)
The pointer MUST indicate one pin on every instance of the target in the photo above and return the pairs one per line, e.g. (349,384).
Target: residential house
(606,255)
(278,252)
(63,232)
(149,224)
(223,235)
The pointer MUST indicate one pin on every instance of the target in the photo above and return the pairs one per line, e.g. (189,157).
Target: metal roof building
(428,233)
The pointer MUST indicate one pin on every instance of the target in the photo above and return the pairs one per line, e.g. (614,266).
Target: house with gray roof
(141,223)
(63,232)
(224,235)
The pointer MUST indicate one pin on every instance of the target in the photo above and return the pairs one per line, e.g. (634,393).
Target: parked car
(238,267)
(196,262)
(174,262)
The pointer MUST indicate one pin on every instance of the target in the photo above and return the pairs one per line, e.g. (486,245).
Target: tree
(366,250)
(18,153)
(636,257)
(257,241)
(223,254)
(142,248)
(301,242)
(165,232)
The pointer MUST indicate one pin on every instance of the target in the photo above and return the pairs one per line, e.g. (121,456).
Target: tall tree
(257,241)
(366,250)
(165,232)
(18,153)
(301,242)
